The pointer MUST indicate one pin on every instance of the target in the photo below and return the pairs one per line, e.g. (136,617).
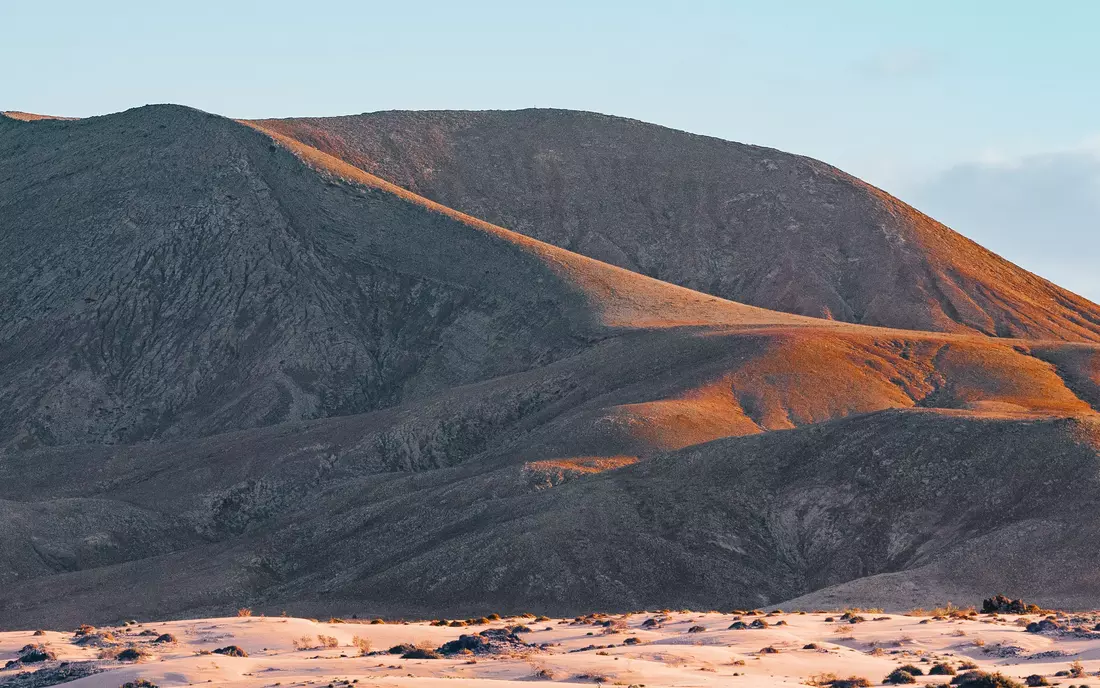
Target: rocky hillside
(746,223)
(237,370)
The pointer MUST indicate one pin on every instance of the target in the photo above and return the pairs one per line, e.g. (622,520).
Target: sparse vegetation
(129,654)
(362,644)
(899,677)
(231,651)
(999,604)
(33,654)
(981,679)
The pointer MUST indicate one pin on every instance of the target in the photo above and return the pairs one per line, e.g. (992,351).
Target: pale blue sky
(920,98)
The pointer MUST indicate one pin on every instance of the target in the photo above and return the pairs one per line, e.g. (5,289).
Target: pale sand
(666,656)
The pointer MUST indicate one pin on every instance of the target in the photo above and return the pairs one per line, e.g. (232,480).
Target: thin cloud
(1040,211)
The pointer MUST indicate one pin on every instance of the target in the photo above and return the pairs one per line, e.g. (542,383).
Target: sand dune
(683,649)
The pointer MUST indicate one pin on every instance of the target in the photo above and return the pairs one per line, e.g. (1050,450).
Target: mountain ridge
(658,201)
(241,370)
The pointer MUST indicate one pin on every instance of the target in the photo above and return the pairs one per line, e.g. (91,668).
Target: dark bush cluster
(999,604)
(981,679)
(231,651)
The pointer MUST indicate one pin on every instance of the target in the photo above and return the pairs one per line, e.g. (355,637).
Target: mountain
(170,273)
(236,370)
(745,223)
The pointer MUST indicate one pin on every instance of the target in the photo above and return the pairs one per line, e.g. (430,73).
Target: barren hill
(236,370)
(746,223)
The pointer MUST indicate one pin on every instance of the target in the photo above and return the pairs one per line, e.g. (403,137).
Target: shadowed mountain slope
(746,223)
(164,272)
(236,370)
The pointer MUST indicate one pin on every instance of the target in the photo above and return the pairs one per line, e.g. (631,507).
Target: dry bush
(303,643)
(244,611)
(327,641)
(363,644)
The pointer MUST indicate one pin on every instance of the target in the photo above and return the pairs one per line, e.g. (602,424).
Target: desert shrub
(421,653)
(811,646)
(697,629)
(33,654)
(84,629)
(999,604)
(131,654)
(769,650)
(401,649)
(457,624)
(544,674)
(911,669)
(541,618)
(632,640)
(598,678)
(303,643)
(1076,670)
(231,651)
(981,679)
(898,677)
(941,669)
(327,641)
(39,632)
(1036,680)
(378,621)
(363,644)
(139,683)
(165,638)
(244,611)
(493,617)
(851,682)
(967,665)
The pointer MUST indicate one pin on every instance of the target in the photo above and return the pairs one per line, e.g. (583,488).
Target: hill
(749,224)
(236,370)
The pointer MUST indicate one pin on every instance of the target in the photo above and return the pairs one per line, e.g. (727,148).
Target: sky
(982,114)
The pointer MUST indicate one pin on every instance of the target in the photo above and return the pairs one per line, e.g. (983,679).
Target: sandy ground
(666,655)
